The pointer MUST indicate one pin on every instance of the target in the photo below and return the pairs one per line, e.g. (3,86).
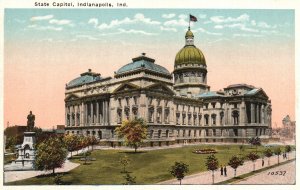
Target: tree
(288,149)
(130,180)
(133,131)
(124,161)
(78,143)
(70,142)
(212,164)
(50,154)
(11,142)
(178,170)
(253,157)
(268,153)
(85,142)
(235,162)
(277,152)
(93,141)
(255,141)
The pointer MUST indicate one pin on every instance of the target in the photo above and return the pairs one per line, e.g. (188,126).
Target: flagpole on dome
(189,22)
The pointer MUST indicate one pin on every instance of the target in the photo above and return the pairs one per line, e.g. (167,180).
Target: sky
(46,48)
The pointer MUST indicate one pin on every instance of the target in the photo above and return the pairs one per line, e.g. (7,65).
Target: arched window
(151,133)
(159,133)
(214,118)
(235,115)
(100,134)
(206,117)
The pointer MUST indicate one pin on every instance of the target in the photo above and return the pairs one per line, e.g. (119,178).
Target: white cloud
(38,18)
(137,18)
(219,27)
(182,16)
(36,27)
(221,19)
(202,30)
(263,25)
(86,37)
(131,31)
(60,22)
(171,15)
(241,26)
(140,17)
(168,29)
(247,35)
(180,22)
(93,21)
(253,22)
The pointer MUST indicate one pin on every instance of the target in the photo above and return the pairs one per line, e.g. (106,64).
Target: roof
(143,62)
(240,85)
(84,78)
(209,94)
(253,91)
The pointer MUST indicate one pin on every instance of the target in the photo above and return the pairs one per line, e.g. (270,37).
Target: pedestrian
(221,169)
(262,162)
(225,171)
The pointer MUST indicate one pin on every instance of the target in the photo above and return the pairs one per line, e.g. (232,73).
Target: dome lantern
(189,38)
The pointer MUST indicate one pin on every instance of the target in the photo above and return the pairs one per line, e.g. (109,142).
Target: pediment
(71,97)
(260,94)
(126,87)
(159,87)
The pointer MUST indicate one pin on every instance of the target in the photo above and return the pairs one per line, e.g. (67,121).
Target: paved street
(206,177)
(286,174)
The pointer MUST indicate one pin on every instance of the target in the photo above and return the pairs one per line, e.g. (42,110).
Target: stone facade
(177,107)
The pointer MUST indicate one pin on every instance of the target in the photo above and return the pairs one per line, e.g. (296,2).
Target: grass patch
(9,158)
(238,178)
(149,167)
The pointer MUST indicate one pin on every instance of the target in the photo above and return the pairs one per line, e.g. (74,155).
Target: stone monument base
(26,155)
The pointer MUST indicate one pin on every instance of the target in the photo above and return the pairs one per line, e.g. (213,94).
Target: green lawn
(8,159)
(148,167)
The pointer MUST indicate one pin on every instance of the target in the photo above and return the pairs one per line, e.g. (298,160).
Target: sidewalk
(205,178)
(10,176)
(270,177)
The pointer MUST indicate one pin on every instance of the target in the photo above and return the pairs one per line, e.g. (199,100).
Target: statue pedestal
(26,154)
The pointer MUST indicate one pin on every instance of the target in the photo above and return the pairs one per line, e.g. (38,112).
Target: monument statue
(30,121)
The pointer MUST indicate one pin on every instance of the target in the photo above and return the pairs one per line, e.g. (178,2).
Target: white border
(208,4)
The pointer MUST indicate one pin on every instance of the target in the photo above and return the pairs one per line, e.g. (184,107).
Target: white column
(257,113)
(92,112)
(103,112)
(71,115)
(86,113)
(252,113)
(108,112)
(230,116)
(82,114)
(66,115)
(75,114)
(242,113)
(97,112)
(262,114)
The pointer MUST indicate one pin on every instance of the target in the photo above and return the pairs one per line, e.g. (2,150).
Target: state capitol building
(178,107)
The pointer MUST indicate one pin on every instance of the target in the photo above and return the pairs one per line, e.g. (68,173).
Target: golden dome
(189,54)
